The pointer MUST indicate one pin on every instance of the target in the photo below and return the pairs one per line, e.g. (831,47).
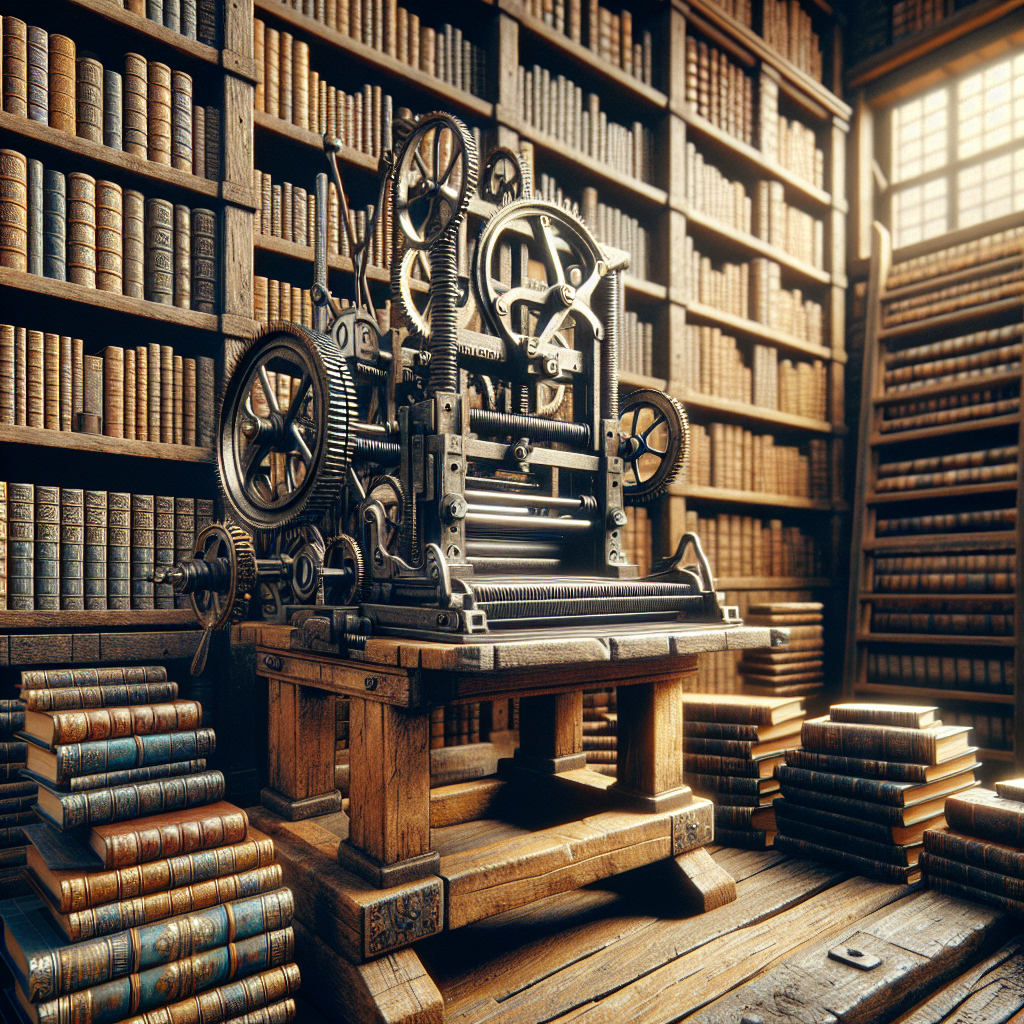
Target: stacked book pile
(17,795)
(870,779)
(793,670)
(599,730)
(731,749)
(980,854)
(149,890)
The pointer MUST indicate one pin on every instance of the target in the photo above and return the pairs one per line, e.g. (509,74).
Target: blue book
(54,225)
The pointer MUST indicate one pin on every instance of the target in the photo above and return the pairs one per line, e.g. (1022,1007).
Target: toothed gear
(415,305)
(654,435)
(314,438)
(572,260)
(388,491)
(431,196)
(299,550)
(229,541)
(502,179)
(343,553)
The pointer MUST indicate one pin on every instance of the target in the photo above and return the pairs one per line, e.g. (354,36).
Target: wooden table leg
(551,733)
(301,752)
(389,795)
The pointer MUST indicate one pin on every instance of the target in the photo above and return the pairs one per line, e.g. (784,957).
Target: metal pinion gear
(654,436)
(286,464)
(502,178)
(214,608)
(435,177)
(415,305)
(344,571)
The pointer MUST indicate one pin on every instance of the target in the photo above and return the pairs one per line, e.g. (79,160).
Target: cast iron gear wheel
(502,178)
(343,553)
(435,177)
(415,305)
(230,542)
(286,465)
(572,262)
(654,441)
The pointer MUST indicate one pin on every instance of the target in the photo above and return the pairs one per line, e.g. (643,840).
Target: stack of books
(149,890)
(980,854)
(793,670)
(17,795)
(731,749)
(868,783)
(600,724)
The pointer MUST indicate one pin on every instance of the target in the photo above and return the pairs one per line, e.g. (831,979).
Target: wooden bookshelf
(18,435)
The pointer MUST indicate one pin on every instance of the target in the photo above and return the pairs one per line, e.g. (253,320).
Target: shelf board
(942,429)
(104,445)
(95,619)
(18,280)
(635,381)
(945,541)
(583,57)
(282,129)
(773,582)
(932,693)
(931,284)
(649,289)
(755,162)
(813,92)
(974,383)
(105,157)
(550,147)
(1007,756)
(884,597)
(934,493)
(760,332)
(938,639)
(728,494)
(935,325)
(451,98)
(752,244)
(753,413)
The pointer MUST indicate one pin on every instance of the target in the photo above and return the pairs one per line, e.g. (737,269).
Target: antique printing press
(434,514)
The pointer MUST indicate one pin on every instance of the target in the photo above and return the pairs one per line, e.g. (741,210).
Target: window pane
(990,189)
(919,135)
(919,212)
(989,108)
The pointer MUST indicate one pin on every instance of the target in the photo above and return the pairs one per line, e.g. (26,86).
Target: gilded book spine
(35,407)
(199,141)
(188,404)
(112,103)
(51,381)
(136,107)
(7,386)
(128,396)
(118,562)
(20,546)
(13,206)
(129,776)
(35,216)
(204,261)
(54,225)
(113,391)
(181,121)
(58,678)
(132,752)
(72,548)
(116,722)
(109,237)
(47,553)
(159,112)
(89,99)
(166,394)
(182,256)
(94,570)
(134,260)
(38,74)
(81,228)
(142,554)
(141,386)
(113,695)
(154,385)
(163,593)
(159,254)
(14,74)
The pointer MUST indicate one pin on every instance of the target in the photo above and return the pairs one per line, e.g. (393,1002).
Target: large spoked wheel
(287,429)
(654,442)
(561,247)
(435,176)
(414,303)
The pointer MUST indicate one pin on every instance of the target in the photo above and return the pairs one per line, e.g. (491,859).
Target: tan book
(141,393)
(13,210)
(179,387)
(182,256)
(61,69)
(34,375)
(300,85)
(181,121)
(158,112)
(113,391)
(155,389)
(89,98)
(109,237)
(135,86)
(81,244)
(166,394)
(259,58)
(66,383)
(128,403)
(51,381)
(14,54)
(285,100)
(188,402)
(133,255)
(272,73)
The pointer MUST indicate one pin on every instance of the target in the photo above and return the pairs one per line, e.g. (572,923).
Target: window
(958,153)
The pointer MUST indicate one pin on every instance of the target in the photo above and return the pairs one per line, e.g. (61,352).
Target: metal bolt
(273,663)
(371,682)
(551,367)
(616,517)
(501,307)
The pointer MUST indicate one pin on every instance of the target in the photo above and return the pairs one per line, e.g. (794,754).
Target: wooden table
(610,953)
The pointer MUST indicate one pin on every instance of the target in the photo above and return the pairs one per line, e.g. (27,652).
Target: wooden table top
(608,954)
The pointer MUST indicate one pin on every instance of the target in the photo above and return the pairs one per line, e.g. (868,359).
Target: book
(898,835)
(35,217)
(107,780)
(985,815)
(845,858)
(712,764)
(109,258)
(59,678)
(14,210)
(158,112)
(112,103)
(902,716)
(884,742)
(81,229)
(61,83)
(204,261)
(133,264)
(159,255)
(15,66)
(168,835)
(741,710)
(1011,789)
(870,811)
(89,98)
(998,883)
(62,763)
(891,770)
(75,890)
(985,854)
(895,794)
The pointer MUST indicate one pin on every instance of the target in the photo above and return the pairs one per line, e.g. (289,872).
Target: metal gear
(502,178)
(573,264)
(344,571)
(654,442)
(414,304)
(435,176)
(299,550)
(280,466)
(388,491)
(216,608)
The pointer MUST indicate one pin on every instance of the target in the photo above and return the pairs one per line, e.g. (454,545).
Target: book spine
(14,74)
(1000,823)
(113,391)
(181,121)
(94,570)
(188,403)
(205,394)
(136,107)
(62,678)
(871,742)
(975,877)
(54,225)
(13,206)
(163,558)
(182,259)
(207,22)
(880,814)
(159,256)
(51,381)
(7,383)
(118,558)
(72,548)
(204,261)
(989,857)
(34,251)
(35,401)
(89,99)
(131,752)
(81,229)
(82,726)
(128,394)
(113,102)
(20,546)
(158,112)
(47,549)
(61,81)
(212,143)
(3,529)
(892,793)
(142,550)
(166,394)
(134,254)
(878,870)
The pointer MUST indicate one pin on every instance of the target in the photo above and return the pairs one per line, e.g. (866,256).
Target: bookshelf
(518,40)
(934,596)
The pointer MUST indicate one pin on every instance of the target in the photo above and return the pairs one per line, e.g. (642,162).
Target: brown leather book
(81,245)
(62,74)
(109,237)
(53,727)
(89,98)
(133,262)
(182,256)
(15,66)
(136,105)
(158,95)
(13,209)
(113,391)
(181,121)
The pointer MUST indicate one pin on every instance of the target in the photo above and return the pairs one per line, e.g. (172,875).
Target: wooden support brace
(551,733)
(703,884)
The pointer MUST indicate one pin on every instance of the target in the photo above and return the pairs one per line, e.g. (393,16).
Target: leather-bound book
(62,75)
(136,105)
(94,572)
(123,777)
(181,121)
(72,548)
(109,239)
(285,106)
(207,22)
(127,803)
(35,370)
(204,260)
(141,393)
(20,546)
(163,551)
(81,228)
(113,391)
(59,678)
(89,98)
(188,404)
(34,178)
(159,253)
(118,570)
(182,256)
(14,54)
(54,224)
(916,746)
(205,397)
(7,386)
(204,512)
(133,256)
(13,209)
(172,15)
(166,394)
(128,394)
(110,695)
(155,11)
(51,381)
(38,74)
(113,102)
(47,552)
(20,373)
(159,112)
(142,554)
(12,712)
(65,383)
(983,814)
(154,385)
(272,72)
(199,141)
(213,141)
(188,19)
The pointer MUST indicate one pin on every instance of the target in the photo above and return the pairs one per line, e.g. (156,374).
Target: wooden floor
(613,952)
